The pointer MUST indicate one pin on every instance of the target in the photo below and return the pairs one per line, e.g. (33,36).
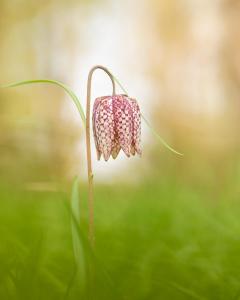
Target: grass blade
(78,244)
(60,84)
(98,281)
(120,85)
(165,144)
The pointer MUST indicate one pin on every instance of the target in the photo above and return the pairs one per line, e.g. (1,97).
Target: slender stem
(88,145)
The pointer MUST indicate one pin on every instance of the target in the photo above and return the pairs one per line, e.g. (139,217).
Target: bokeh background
(179,58)
(171,223)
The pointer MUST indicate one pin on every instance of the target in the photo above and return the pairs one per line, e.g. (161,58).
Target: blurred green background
(167,227)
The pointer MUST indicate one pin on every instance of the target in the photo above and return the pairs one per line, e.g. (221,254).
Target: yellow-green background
(167,227)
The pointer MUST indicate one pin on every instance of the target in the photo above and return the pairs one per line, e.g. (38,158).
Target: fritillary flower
(116,126)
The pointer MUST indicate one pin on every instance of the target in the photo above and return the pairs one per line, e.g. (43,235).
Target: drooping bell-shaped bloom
(116,126)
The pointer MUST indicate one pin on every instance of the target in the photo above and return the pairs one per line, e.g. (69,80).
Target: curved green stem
(165,144)
(66,88)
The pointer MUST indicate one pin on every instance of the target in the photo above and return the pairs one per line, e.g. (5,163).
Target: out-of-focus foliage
(175,243)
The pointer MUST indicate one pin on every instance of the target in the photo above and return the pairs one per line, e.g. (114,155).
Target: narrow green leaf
(160,138)
(66,88)
(97,277)
(165,144)
(78,244)
(120,85)
(75,200)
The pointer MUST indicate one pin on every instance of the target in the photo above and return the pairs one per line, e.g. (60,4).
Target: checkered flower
(116,126)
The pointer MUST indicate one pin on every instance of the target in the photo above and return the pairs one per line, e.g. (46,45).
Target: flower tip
(106,157)
(114,155)
(98,155)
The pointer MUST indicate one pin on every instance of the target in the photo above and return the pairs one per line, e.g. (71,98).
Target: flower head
(116,126)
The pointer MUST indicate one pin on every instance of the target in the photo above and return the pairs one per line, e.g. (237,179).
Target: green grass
(152,242)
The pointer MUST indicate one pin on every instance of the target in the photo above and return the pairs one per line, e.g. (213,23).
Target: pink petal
(103,126)
(123,119)
(136,127)
(95,124)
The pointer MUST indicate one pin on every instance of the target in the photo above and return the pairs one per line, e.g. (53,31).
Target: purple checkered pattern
(116,126)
